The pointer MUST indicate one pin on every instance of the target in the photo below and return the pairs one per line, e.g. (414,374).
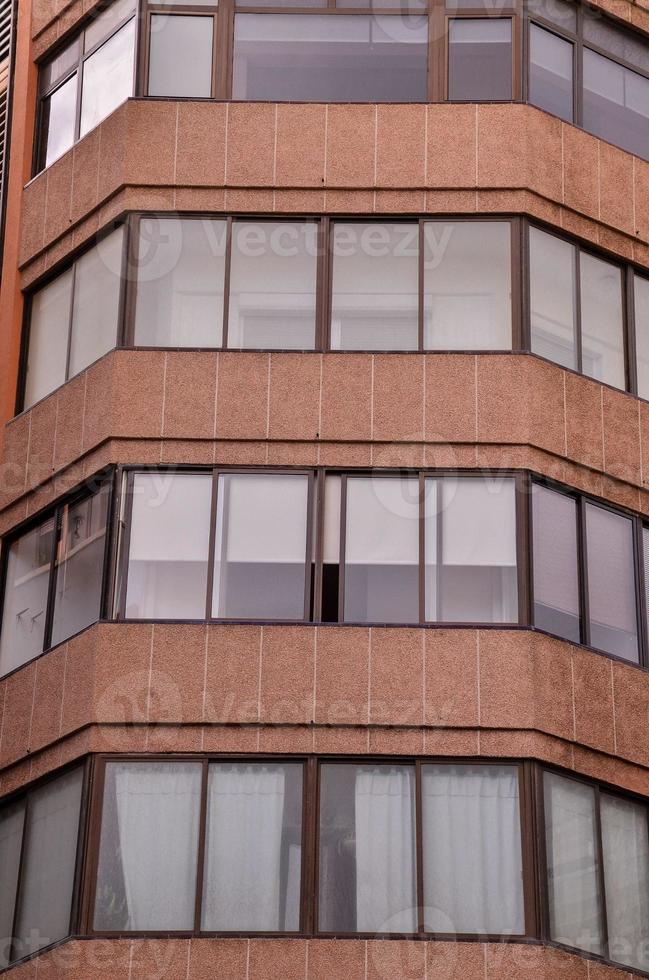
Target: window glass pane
(253,853)
(260,550)
(59,120)
(382,550)
(104,23)
(556,575)
(626,45)
(645,548)
(180,276)
(146,879)
(367,849)
(616,103)
(169,546)
(59,66)
(625,845)
(471,842)
(180,55)
(273,285)
(80,566)
(330,590)
(375,287)
(49,863)
(320,58)
(573,867)
(25,599)
(12,818)
(108,77)
(550,78)
(480,59)
(470,539)
(467,285)
(641,291)
(611,582)
(552,298)
(49,327)
(602,324)
(95,308)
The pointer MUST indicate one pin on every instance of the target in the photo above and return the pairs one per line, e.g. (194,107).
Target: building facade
(324,368)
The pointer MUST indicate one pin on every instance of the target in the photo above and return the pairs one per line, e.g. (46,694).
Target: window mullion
(200,857)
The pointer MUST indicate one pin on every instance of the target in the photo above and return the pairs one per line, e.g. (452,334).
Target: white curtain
(625,842)
(158,808)
(573,889)
(242,887)
(473,876)
(385,850)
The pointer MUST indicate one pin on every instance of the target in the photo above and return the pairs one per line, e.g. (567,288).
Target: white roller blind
(382,526)
(171,517)
(262,518)
(331,545)
(479,523)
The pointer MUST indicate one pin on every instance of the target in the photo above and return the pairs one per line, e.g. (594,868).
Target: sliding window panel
(253,848)
(261,544)
(49,331)
(611,582)
(180,282)
(625,849)
(381,574)
(273,285)
(553,298)
(375,301)
(96,302)
(105,22)
(556,564)
(472,854)
(573,870)
(25,599)
(58,121)
(180,55)
(480,61)
(602,320)
(616,103)
(367,855)
(49,863)
(467,285)
(108,77)
(641,317)
(169,546)
(551,72)
(470,551)
(330,588)
(80,566)
(147,872)
(12,820)
(320,58)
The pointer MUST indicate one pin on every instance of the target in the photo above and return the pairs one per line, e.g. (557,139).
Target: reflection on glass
(253,847)
(625,849)
(260,549)
(467,285)
(573,865)
(471,842)
(550,73)
(556,573)
(169,546)
(602,320)
(470,549)
(641,311)
(382,550)
(375,298)
(180,55)
(480,59)
(611,582)
(25,598)
(616,103)
(59,120)
(95,308)
(146,878)
(108,77)
(12,818)
(181,275)
(316,58)
(367,849)
(273,285)
(49,326)
(553,298)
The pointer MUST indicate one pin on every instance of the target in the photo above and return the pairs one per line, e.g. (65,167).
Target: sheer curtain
(158,808)
(243,882)
(625,842)
(386,897)
(473,873)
